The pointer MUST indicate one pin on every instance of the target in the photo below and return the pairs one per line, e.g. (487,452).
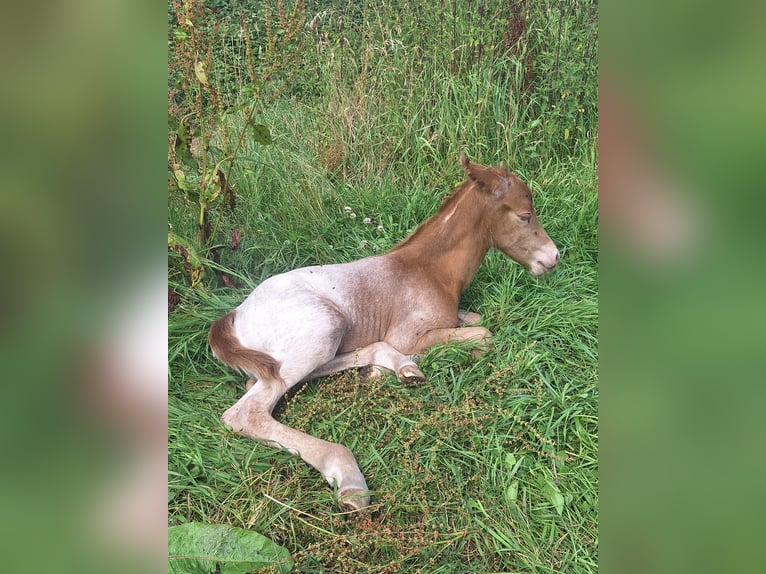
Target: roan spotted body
(379,312)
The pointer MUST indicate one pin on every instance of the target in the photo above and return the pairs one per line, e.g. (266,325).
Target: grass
(461,466)
(490,466)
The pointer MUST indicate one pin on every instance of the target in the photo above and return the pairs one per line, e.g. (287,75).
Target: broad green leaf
(192,261)
(552,493)
(199,71)
(212,188)
(185,247)
(179,34)
(197,548)
(513,491)
(512,463)
(182,143)
(181,181)
(261,134)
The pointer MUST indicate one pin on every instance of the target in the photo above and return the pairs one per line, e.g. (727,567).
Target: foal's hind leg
(251,417)
(379,354)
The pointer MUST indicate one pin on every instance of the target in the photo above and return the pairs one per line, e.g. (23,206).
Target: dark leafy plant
(223,65)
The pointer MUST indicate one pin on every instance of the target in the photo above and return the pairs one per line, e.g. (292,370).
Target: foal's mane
(425,227)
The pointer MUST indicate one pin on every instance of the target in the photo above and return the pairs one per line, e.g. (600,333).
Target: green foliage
(386,84)
(202,97)
(206,548)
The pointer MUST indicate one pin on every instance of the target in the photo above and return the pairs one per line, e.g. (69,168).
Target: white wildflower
(367,221)
(352,215)
(347,209)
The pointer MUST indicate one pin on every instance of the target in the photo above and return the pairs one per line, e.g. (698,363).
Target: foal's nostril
(557,256)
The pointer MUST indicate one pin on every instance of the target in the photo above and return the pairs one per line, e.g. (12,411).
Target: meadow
(321,132)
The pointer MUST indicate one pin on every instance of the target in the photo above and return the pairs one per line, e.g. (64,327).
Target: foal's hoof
(410,374)
(468,318)
(354,500)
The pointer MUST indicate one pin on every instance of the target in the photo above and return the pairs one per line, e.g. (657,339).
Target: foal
(377,312)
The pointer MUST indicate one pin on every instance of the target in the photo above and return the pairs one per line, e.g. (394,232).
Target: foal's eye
(525,217)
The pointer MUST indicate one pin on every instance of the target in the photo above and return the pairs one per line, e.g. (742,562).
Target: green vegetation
(279,119)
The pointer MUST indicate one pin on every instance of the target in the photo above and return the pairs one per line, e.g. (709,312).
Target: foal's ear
(486,177)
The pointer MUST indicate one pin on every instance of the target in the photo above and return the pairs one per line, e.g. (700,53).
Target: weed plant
(490,466)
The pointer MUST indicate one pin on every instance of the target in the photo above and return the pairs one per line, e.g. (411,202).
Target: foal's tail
(228,349)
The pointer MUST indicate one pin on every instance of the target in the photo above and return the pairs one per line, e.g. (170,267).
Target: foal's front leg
(479,336)
(467,318)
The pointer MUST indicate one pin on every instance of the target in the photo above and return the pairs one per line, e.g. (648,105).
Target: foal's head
(510,217)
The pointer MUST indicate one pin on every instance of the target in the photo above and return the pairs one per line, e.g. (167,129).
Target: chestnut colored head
(512,224)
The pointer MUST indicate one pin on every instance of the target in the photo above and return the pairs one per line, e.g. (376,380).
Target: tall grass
(490,466)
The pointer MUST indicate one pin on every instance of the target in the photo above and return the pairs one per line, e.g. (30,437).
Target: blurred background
(83,336)
(681,127)
(83,221)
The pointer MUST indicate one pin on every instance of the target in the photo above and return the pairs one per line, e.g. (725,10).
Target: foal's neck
(449,246)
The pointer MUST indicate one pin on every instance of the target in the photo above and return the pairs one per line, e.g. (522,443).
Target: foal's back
(360,303)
